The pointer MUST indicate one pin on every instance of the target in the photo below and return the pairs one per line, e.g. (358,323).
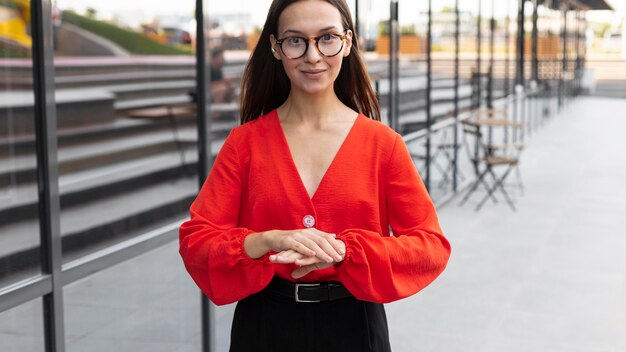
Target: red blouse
(370,185)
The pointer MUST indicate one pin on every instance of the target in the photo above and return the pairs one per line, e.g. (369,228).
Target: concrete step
(105,181)
(89,226)
(88,155)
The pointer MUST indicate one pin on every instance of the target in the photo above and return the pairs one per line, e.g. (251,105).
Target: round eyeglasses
(294,47)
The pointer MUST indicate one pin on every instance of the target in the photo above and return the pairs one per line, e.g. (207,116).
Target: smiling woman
(293,222)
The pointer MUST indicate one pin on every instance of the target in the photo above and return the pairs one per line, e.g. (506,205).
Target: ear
(274,48)
(348,47)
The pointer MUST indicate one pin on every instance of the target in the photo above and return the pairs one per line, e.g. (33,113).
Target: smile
(314,73)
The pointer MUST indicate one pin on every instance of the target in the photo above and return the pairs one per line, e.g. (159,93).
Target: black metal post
(47,172)
(519,72)
(577,69)
(507,48)
(205,158)
(479,40)
(490,77)
(357,21)
(564,59)
(455,151)
(393,66)
(429,85)
(535,38)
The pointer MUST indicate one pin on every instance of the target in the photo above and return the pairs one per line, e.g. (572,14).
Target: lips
(313,73)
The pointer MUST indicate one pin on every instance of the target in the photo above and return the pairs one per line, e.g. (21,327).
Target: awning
(583,5)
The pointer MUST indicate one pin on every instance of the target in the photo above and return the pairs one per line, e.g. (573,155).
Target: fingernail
(333,234)
(273,257)
(338,258)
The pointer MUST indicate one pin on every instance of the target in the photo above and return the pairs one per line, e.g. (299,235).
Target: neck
(314,109)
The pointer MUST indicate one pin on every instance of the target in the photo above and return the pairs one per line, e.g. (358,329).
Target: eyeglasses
(295,47)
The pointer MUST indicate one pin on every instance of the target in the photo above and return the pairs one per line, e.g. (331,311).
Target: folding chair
(487,158)
(444,148)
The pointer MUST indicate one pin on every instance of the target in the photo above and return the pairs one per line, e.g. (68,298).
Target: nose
(312,54)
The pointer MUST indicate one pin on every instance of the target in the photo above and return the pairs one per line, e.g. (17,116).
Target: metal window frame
(393,110)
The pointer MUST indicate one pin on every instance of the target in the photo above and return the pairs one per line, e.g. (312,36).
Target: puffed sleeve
(383,269)
(211,242)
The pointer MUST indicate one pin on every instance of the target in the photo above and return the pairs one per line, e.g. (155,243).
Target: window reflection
(19,227)
(126,118)
(21,328)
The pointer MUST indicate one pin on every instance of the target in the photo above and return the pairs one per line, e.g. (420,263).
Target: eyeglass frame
(343,37)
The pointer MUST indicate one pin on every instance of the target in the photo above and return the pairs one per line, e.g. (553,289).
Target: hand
(307,264)
(308,243)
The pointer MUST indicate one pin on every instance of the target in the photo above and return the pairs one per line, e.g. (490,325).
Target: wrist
(256,244)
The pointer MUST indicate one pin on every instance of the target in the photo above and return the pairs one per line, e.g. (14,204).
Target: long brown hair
(265,85)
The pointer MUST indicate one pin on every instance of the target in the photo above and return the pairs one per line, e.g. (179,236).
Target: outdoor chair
(488,157)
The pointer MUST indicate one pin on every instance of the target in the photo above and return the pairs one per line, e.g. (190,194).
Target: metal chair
(487,157)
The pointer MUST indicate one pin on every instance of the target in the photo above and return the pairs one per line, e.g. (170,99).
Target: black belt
(309,292)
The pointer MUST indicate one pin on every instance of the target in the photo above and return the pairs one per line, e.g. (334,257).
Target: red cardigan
(370,185)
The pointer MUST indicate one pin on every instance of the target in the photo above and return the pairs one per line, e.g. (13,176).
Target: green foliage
(448,9)
(135,43)
(8,53)
(408,30)
(91,12)
(383,28)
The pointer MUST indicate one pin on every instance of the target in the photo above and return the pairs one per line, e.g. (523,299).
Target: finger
(328,243)
(307,261)
(313,246)
(301,271)
(303,249)
(305,270)
(291,257)
(340,247)
(284,257)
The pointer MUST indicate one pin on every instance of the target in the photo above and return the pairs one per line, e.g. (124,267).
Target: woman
(293,221)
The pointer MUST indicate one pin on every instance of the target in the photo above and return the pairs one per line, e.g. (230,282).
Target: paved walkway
(549,277)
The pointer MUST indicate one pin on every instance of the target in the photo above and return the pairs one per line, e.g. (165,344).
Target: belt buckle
(304,300)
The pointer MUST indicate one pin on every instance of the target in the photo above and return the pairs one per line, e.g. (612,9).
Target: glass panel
(442,99)
(374,17)
(19,224)
(413,28)
(148,303)
(468,12)
(21,328)
(125,85)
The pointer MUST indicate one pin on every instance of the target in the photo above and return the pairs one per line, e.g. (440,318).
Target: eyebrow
(300,32)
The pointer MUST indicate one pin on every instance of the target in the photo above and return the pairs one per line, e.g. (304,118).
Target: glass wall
(125,84)
(19,227)
(21,328)
(145,304)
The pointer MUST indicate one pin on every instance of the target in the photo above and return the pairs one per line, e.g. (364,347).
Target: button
(308,221)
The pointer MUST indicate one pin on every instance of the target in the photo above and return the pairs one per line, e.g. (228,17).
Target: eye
(295,41)
(327,38)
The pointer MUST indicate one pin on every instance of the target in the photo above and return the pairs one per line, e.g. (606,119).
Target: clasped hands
(310,249)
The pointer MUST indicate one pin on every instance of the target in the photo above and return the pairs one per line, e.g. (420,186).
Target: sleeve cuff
(347,259)
(245,258)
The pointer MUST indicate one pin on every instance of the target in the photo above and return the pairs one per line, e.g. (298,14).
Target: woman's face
(313,72)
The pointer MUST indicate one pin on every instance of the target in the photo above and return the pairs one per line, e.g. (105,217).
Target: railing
(448,169)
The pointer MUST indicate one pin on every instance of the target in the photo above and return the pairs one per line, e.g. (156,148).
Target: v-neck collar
(292,163)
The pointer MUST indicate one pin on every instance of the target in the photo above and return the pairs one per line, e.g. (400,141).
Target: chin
(315,88)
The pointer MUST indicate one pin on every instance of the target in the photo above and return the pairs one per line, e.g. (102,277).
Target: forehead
(309,17)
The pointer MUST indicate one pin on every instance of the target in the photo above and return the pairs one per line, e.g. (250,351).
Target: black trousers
(267,321)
